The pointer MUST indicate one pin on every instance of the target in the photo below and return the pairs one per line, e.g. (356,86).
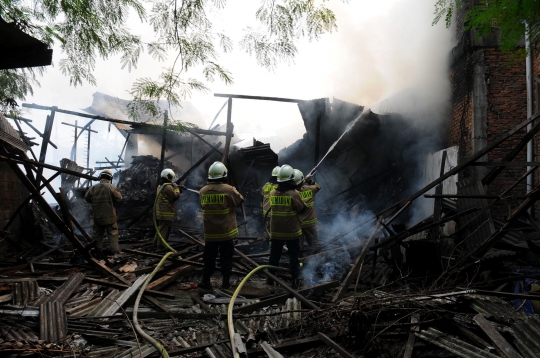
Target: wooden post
(163,142)
(437,209)
(229,132)
(46,137)
(74,150)
(88,148)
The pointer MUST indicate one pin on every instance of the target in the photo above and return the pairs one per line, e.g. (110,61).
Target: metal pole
(530,101)
(74,150)
(88,148)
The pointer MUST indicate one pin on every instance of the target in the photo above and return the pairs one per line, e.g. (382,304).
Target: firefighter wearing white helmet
(218,201)
(166,204)
(285,226)
(267,188)
(307,189)
(102,196)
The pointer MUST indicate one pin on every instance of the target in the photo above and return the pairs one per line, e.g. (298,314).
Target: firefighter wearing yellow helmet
(267,188)
(102,196)
(285,225)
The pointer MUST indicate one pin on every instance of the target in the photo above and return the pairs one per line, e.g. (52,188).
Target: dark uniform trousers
(293,247)
(226,252)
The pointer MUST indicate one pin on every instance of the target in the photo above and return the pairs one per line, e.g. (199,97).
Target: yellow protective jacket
(102,196)
(267,188)
(218,202)
(307,192)
(166,201)
(287,206)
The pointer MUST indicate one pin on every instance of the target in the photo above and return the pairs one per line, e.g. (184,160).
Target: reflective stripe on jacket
(307,192)
(284,217)
(218,201)
(166,201)
(102,196)
(267,188)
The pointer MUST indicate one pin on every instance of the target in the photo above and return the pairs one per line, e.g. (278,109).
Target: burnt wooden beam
(123,287)
(332,344)
(230,128)
(260,98)
(457,196)
(496,337)
(514,152)
(46,137)
(27,122)
(437,205)
(505,164)
(22,160)
(112,120)
(163,144)
(282,298)
(354,269)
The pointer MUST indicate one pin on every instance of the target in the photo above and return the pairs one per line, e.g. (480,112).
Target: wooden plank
(163,142)
(230,128)
(282,298)
(45,142)
(330,343)
(260,98)
(354,269)
(496,337)
(48,166)
(122,286)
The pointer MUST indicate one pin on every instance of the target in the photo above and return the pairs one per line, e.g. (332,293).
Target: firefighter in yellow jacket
(166,204)
(102,196)
(267,188)
(218,202)
(285,225)
(308,189)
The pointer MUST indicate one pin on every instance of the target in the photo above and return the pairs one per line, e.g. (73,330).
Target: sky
(380,49)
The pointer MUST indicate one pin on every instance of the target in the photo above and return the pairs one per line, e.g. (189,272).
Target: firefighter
(308,188)
(166,203)
(102,196)
(285,225)
(218,201)
(267,188)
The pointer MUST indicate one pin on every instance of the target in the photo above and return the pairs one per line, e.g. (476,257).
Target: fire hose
(231,305)
(138,328)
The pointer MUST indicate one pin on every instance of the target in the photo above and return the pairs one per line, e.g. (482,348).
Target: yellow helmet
(285,173)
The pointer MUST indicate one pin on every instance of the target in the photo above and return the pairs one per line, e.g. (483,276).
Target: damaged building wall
(12,195)
(489,98)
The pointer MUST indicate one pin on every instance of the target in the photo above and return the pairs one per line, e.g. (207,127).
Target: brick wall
(507,107)
(12,194)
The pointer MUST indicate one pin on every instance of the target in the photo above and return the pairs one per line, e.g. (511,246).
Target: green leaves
(508,17)
(88,29)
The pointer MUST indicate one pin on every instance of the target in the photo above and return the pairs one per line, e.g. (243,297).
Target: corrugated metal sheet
(9,135)
(17,335)
(112,303)
(454,345)
(62,293)
(52,322)
(25,292)
(481,228)
(134,352)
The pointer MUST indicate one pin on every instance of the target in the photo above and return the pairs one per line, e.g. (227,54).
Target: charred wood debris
(459,282)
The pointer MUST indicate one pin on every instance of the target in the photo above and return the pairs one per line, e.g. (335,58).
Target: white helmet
(106,174)
(298,176)
(285,173)
(275,171)
(168,174)
(217,170)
